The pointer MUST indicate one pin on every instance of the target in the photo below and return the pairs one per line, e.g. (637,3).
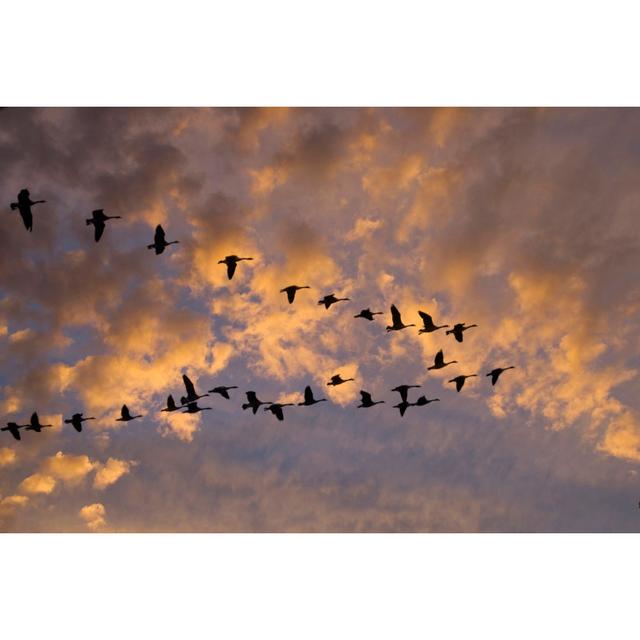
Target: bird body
(159,241)
(337,379)
(276,409)
(403,390)
(366,401)
(76,421)
(24,205)
(98,220)
(496,373)
(458,330)
(232,263)
(252,402)
(429,325)
(396,321)
(125,415)
(367,314)
(291,291)
(222,390)
(460,380)
(309,399)
(327,301)
(439,363)
(192,407)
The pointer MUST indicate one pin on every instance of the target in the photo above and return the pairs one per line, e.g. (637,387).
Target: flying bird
(366,401)
(192,407)
(171,404)
(309,399)
(98,220)
(232,263)
(223,391)
(422,401)
(429,325)
(367,314)
(459,380)
(291,291)
(125,416)
(252,402)
(337,379)
(13,429)
(76,421)
(403,389)
(191,396)
(24,205)
(276,409)
(497,372)
(458,330)
(439,363)
(159,242)
(34,424)
(327,301)
(396,320)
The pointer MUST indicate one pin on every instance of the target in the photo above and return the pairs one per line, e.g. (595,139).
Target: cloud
(38,483)
(110,472)
(94,516)
(9,504)
(7,456)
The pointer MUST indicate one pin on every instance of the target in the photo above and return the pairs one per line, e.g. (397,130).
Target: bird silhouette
(34,424)
(159,242)
(422,401)
(366,401)
(337,379)
(396,320)
(76,421)
(98,220)
(24,205)
(171,405)
(496,373)
(191,396)
(309,399)
(367,314)
(232,263)
(429,325)
(402,407)
(125,416)
(192,407)
(276,409)
(403,389)
(458,329)
(291,291)
(223,391)
(327,301)
(14,428)
(252,402)
(439,363)
(459,380)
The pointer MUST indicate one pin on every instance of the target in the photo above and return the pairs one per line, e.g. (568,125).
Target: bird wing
(251,397)
(439,359)
(34,420)
(231,269)
(494,376)
(308,395)
(224,393)
(158,237)
(15,432)
(457,334)
(402,408)
(124,412)
(366,397)
(459,383)
(277,410)
(188,385)
(426,318)
(98,229)
(291,295)
(27,218)
(395,315)
(171,403)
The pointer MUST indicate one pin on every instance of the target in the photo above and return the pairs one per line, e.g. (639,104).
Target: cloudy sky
(522,221)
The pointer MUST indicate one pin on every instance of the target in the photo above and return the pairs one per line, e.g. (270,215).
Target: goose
(191,396)
(309,399)
(232,263)
(422,401)
(223,391)
(337,379)
(125,416)
(13,429)
(34,424)
(367,314)
(327,301)
(24,205)
(459,380)
(429,325)
(458,329)
(439,363)
(252,402)
(366,401)
(98,220)
(291,291)
(276,409)
(159,242)
(76,421)
(171,404)
(496,373)
(403,389)
(192,407)
(396,320)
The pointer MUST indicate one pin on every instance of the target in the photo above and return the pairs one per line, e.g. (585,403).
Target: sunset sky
(523,221)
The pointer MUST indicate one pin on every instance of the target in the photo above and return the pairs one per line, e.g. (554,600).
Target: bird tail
(68,421)
(89,221)
(14,206)
(150,246)
(245,406)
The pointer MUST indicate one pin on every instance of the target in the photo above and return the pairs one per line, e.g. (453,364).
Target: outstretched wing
(458,334)
(395,315)
(459,383)
(224,393)
(124,412)
(277,410)
(171,403)
(27,218)
(427,319)
(188,385)
(291,295)
(495,374)
(251,397)
(158,237)
(98,229)
(402,408)
(34,420)
(231,269)
(308,395)
(366,397)
(439,359)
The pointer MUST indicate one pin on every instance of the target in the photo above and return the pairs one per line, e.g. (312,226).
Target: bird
(439,363)
(76,421)
(366,401)
(429,325)
(171,404)
(291,291)
(276,409)
(309,399)
(337,379)
(496,373)
(34,424)
(125,416)
(98,220)
(223,391)
(459,380)
(458,329)
(422,401)
(367,314)
(396,320)
(24,205)
(159,242)
(327,301)
(13,429)
(403,389)
(252,402)
(191,396)
(232,263)
(192,407)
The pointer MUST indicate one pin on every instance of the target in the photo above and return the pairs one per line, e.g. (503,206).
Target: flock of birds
(189,402)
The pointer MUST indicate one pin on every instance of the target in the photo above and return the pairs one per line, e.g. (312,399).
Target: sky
(522,221)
